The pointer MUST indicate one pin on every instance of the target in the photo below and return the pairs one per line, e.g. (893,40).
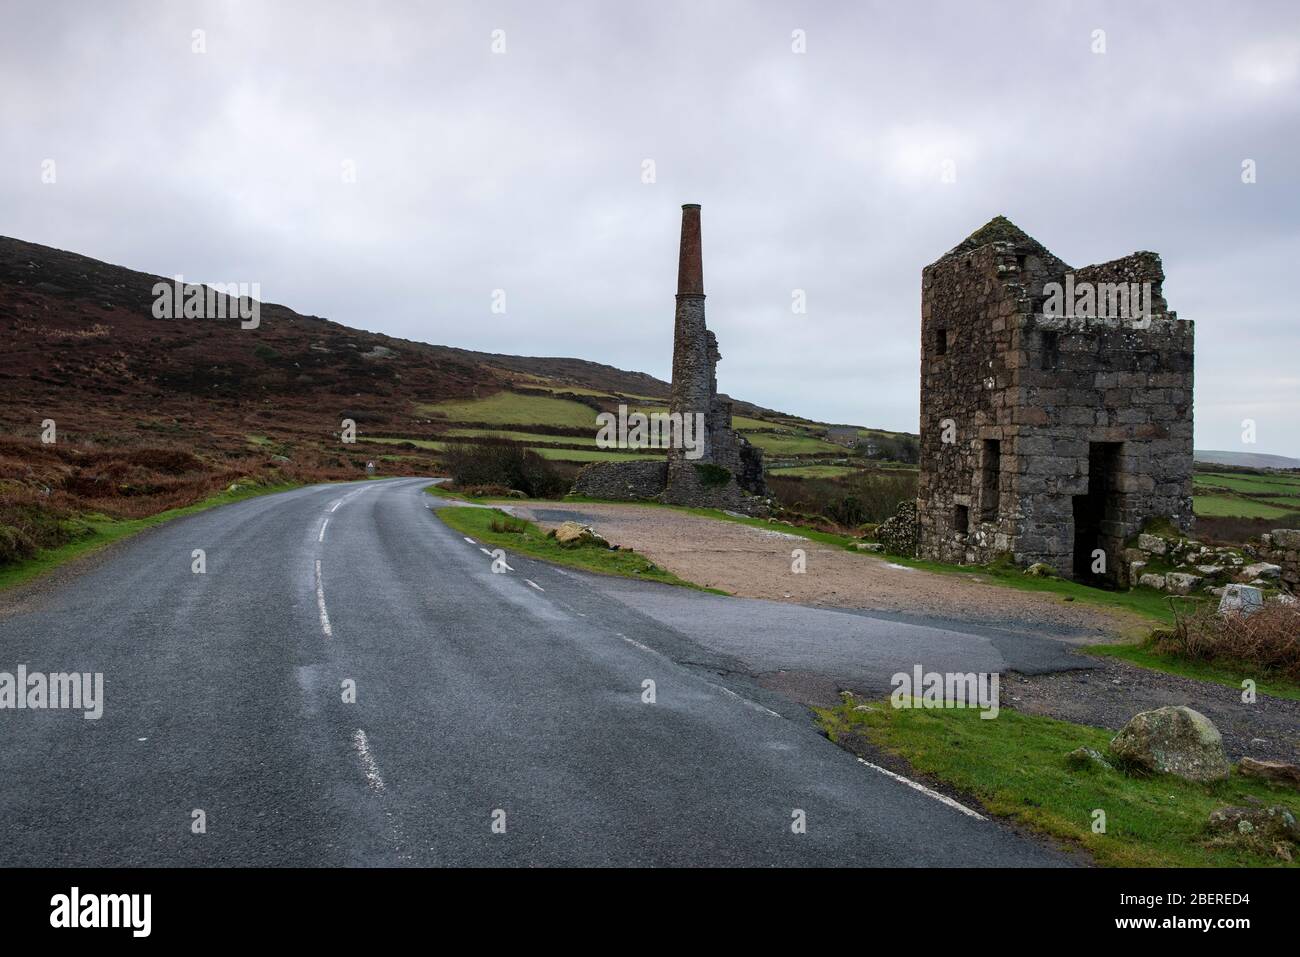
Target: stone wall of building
(642,480)
(1046,437)
(1282,547)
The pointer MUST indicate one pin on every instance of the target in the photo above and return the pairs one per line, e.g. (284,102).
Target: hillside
(151,414)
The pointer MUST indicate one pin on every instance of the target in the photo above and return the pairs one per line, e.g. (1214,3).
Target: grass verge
(97,531)
(533,542)
(1015,765)
(1231,675)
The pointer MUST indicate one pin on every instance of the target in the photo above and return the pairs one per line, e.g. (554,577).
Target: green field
(530,438)
(418,443)
(511,408)
(545,451)
(813,471)
(1015,765)
(1231,506)
(595,455)
(777,444)
(1267,495)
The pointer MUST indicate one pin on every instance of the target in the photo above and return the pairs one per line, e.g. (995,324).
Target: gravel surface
(1110,693)
(756,563)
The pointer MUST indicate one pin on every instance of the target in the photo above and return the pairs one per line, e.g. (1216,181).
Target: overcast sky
(523,170)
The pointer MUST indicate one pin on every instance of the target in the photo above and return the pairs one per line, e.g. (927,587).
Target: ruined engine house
(1056,405)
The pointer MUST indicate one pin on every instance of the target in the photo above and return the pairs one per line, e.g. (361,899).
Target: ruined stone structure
(729,471)
(1046,436)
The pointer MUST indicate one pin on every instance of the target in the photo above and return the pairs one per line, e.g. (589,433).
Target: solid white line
(368,765)
(942,798)
(320,605)
(321,537)
(534,584)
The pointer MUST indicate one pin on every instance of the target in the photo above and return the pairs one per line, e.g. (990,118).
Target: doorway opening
(1096,517)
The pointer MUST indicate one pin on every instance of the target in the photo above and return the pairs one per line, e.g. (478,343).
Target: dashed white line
(637,644)
(745,701)
(369,767)
(320,605)
(470,540)
(485,551)
(335,506)
(321,536)
(534,584)
(941,798)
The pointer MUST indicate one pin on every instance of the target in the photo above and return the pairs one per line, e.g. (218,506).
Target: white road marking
(485,551)
(361,745)
(941,798)
(321,536)
(320,605)
(534,584)
(470,540)
(637,644)
(335,506)
(745,701)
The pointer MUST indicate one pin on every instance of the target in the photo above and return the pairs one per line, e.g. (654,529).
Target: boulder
(1278,771)
(1087,759)
(573,535)
(1241,599)
(1181,583)
(1041,570)
(1152,580)
(1172,740)
(1265,571)
(869,547)
(1153,544)
(1285,538)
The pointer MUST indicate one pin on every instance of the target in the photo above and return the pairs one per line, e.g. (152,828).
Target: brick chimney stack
(690,265)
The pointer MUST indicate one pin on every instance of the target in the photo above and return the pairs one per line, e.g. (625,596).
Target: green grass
(1014,764)
(1230,675)
(813,471)
(1280,484)
(1230,506)
(775,444)
(595,455)
(532,438)
(1146,602)
(418,443)
(101,530)
(511,408)
(532,541)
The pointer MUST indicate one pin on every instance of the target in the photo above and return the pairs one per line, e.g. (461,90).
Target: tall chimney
(692,387)
(690,265)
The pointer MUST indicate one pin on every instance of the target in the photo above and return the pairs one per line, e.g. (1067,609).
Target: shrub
(867,497)
(502,463)
(1269,639)
(712,476)
(513,526)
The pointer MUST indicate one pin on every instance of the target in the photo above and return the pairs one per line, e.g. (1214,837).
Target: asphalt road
(481,697)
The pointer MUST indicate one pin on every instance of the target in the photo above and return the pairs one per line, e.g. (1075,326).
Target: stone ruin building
(729,472)
(1046,436)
